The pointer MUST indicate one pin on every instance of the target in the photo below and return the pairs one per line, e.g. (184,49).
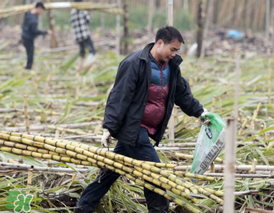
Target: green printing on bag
(209,144)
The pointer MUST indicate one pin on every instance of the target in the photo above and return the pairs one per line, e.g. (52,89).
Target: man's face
(167,51)
(39,10)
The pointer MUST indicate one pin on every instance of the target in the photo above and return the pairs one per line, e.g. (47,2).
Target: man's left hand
(204,120)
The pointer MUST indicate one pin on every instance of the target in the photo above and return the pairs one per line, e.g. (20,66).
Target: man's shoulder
(133,57)
(31,18)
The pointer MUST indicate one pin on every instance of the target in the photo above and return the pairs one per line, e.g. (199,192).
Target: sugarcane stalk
(252,125)
(220,105)
(164,180)
(30,172)
(128,160)
(253,167)
(79,132)
(213,104)
(180,155)
(30,148)
(209,192)
(89,156)
(243,126)
(178,144)
(238,167)
(154,189)
(221,175)
(17,166)
(191,175)
(41,139)
(26,113)
(212,167)
(4,110)
(105,163)
(45,156)
(269,86)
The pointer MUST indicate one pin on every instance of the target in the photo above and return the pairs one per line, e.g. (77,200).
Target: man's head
(39,8)
(167,42)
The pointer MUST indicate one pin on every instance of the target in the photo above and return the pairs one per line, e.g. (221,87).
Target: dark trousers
(29,45)
(142,151)
(86,43)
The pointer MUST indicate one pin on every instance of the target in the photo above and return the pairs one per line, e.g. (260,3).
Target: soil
(216,43)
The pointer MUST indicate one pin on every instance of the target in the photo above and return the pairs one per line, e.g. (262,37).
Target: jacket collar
(177,60)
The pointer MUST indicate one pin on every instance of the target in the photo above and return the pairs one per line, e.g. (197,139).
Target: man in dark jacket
(147,85)
(30,31)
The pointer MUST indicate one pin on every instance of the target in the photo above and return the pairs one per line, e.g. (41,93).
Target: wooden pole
(229,183)
(267,13)
(118,18)
(230,149)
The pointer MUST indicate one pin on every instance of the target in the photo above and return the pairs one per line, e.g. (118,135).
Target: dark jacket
(29,27)
(127,100)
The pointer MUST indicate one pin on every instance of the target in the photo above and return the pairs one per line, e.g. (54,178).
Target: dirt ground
(216,42)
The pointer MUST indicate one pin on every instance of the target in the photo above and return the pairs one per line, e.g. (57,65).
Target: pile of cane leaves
(55,86)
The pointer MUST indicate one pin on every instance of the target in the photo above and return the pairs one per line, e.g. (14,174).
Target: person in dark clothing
(30,31)
(147,85)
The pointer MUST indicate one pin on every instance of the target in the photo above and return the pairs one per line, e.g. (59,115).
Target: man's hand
(49,32)
(204,120)
(105,140)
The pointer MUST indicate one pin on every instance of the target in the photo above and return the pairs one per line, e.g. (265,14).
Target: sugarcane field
(136,106)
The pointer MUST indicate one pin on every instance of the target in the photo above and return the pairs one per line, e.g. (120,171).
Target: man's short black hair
(40,5)
(169,34)
(78,0)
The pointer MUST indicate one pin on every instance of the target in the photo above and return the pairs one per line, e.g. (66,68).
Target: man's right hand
(105,140)
(49,32)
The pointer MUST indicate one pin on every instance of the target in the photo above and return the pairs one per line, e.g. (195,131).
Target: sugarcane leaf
(262,156)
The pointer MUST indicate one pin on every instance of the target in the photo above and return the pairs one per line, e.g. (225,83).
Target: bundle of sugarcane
(107,8)
(178,189)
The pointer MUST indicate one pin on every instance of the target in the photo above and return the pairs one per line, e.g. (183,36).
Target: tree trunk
(158,4)
(53,39)
(272,11)
(170,12)
(186,4)
(102,17)
(267,20)
(216,9)
(208,13)
(125,6)
(118,29)
(200,28)
(150,18)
